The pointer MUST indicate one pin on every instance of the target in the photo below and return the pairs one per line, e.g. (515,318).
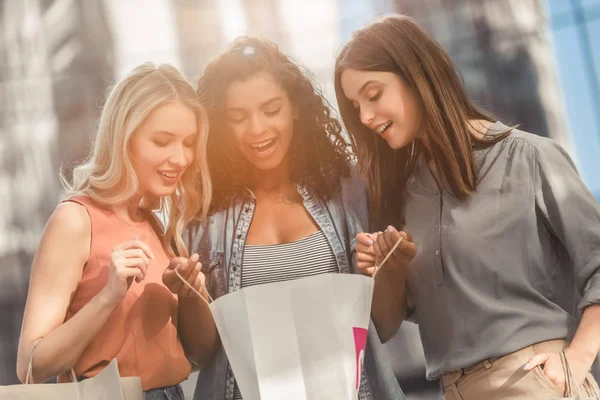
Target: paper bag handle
(387,256)
(570,381)
(194,289)
(29,378)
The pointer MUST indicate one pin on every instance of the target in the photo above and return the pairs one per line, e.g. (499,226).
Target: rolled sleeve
(592,289)
(572,214)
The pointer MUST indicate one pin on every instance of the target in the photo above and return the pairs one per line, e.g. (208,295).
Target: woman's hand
(128,261)
(402,255)
(364,252)
(554,370)
(190,270)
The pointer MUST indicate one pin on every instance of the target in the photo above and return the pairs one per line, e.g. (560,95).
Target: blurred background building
(535,63)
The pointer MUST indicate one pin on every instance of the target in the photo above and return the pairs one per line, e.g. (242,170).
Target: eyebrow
(367,83)
(163,132)
(262,105)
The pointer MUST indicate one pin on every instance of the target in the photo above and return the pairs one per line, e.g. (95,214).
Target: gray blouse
(511,265)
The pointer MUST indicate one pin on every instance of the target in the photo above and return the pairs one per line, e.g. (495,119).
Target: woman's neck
(274,180)
(130,209)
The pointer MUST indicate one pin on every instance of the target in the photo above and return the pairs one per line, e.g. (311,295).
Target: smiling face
(260,116)
(163,147)
(386,105)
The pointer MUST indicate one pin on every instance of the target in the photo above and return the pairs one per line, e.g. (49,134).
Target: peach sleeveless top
(141,332)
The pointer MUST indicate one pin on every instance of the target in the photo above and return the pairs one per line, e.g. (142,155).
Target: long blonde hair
(108,176)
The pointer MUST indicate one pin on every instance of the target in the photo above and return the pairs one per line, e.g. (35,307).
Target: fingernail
(527,366)
(370,242)
(197,266)
(389,229)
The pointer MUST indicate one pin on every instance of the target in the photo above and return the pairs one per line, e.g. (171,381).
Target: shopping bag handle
(387,256)
(571,383)
(29,378)
(194,289)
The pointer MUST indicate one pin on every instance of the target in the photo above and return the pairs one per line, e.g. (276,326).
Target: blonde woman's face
(163,147)
(385,104)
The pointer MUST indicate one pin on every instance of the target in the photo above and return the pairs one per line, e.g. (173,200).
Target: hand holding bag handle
(571,386)
(387,256)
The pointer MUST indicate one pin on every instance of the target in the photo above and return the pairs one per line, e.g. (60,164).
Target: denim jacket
(220,242)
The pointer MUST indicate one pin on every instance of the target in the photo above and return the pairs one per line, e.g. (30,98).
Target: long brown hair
(319,155)
(397,44)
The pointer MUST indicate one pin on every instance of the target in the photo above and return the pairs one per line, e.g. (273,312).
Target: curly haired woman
(286,204)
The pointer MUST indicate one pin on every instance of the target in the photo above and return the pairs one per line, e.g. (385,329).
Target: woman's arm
(572,215)
(388,309)
(56,271)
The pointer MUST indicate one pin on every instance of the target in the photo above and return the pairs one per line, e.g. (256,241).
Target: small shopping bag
(107,385)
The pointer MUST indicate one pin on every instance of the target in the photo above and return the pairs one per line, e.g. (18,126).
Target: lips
(171,175)
(382,128)
(263,146)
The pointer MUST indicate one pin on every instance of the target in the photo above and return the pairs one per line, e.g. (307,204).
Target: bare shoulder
(69,231)
(71,219)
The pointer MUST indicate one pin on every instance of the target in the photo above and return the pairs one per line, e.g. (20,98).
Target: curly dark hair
(320,156)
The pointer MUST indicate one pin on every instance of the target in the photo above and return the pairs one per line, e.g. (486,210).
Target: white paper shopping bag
(107,385)
(299,340)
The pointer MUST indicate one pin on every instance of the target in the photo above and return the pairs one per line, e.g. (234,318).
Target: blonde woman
(96,290)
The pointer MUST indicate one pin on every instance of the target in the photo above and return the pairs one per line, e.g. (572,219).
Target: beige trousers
(504,378)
